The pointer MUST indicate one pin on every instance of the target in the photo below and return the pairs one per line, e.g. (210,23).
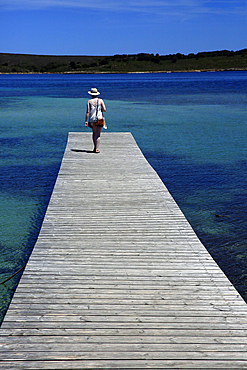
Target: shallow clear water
(192,128)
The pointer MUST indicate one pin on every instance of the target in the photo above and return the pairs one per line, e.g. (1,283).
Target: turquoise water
(192,128)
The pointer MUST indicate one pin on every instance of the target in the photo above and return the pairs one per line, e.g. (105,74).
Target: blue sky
(79,27)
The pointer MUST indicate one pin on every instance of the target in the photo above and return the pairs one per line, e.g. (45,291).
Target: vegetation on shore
(142,62)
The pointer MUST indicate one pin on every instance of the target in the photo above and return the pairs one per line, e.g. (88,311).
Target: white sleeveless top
(92,114)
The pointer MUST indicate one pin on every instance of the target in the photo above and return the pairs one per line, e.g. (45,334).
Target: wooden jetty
(118,279)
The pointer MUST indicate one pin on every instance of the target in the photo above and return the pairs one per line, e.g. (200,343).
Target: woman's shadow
(82,151)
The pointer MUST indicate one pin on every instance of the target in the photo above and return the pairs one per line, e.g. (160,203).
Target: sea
(191,127)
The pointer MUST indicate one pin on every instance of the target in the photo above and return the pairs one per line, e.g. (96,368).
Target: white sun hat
(94,91)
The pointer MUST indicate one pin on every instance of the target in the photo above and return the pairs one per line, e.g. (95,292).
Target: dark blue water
(192,128)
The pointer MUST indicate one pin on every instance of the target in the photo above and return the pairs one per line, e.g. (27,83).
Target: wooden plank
(119,334)
(96,364)
(116,339)
(118,279)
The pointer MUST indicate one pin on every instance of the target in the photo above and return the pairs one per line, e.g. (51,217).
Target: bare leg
(96,137)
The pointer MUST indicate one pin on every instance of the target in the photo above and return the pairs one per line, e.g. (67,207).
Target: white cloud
(175,7)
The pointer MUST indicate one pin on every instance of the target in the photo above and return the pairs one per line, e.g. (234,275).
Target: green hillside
(142,62)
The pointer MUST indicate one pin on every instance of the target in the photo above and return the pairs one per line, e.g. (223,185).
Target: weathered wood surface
(118,279)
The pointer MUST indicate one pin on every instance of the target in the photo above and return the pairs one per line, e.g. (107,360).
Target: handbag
(100,121)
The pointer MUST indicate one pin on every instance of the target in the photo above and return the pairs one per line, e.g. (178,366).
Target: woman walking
(94,107)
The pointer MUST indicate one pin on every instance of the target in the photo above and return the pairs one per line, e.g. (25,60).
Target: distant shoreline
(122,72)
(214,61)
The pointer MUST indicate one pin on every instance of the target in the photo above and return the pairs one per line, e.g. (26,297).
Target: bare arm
(87,114)
(103,108)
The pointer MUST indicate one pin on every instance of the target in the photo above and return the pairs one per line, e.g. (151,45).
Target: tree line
(212,60)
